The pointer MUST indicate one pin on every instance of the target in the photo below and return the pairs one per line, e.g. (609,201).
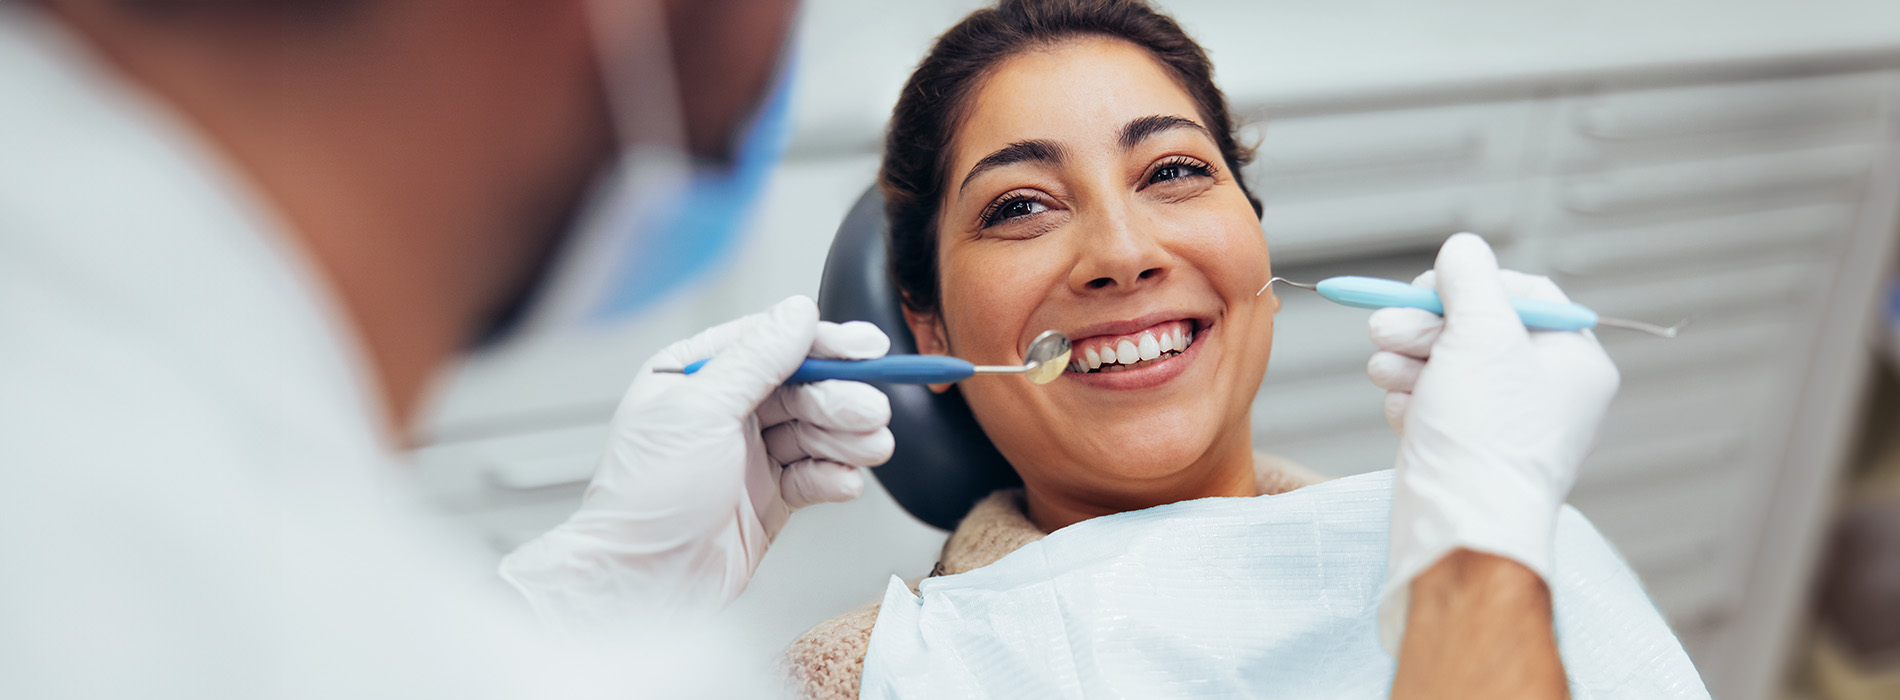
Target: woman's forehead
(1079,93)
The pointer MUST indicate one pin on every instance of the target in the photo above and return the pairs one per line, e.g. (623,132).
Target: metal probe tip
(1650,328)
(1263,288)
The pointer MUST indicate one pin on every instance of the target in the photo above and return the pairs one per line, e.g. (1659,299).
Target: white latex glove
(702,471)
(1493,420)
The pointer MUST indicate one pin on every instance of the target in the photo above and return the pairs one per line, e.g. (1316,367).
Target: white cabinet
(1762,209)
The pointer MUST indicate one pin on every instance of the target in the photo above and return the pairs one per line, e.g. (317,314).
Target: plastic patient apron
(1265,597)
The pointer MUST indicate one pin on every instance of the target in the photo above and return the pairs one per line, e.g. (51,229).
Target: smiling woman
(1070,165)
(1093,200)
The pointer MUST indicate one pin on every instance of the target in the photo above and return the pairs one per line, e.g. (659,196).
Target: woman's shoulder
(995,526)
(828,660)
(1274,474)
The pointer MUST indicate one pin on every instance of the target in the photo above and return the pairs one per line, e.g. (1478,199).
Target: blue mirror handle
(1374,293)
(892,369)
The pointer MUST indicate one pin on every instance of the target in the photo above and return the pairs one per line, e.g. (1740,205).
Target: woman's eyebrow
(1033,150)
(1140,129)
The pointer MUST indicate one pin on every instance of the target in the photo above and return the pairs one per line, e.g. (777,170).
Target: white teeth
(1148,346)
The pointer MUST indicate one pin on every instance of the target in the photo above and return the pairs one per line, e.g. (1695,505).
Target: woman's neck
(1226,470)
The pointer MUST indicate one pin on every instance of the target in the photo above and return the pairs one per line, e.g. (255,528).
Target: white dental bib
(1264,597)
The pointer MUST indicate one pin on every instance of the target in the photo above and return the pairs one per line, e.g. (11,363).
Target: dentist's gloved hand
(702,471)
(1493,420)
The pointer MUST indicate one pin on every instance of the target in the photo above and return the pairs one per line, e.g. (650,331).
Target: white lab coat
(197,495)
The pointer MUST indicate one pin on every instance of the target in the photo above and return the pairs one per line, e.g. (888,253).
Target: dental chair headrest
(943,463)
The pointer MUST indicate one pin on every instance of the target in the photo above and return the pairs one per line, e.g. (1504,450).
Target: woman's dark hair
(934,103)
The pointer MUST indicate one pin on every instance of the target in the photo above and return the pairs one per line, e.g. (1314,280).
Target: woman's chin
(1150,454)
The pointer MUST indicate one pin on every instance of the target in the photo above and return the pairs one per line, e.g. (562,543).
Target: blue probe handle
(1374,293)
(891,369)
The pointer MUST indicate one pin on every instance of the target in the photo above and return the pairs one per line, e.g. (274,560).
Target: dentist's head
(428,156)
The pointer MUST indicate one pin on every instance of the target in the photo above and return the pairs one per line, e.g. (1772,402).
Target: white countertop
(1288,55)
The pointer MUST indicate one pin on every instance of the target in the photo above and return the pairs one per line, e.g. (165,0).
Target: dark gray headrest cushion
(943,463)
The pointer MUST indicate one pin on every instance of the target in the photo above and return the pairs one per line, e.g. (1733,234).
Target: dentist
(239,238)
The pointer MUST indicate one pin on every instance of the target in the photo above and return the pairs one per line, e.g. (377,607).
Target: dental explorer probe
(1047,358)
(1537,314)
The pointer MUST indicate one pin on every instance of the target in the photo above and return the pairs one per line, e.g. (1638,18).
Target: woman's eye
(1012,208)
(1177,169)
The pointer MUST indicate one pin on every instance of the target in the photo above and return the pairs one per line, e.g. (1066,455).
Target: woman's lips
(1142,373)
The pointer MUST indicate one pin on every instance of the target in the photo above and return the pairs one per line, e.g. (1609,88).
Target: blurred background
(1737,161)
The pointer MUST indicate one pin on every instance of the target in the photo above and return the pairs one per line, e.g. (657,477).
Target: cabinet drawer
(1374,224)
(1675,123)
(1696,505)
(1318,156)
(1735,183)
(1621,466)
(1690,403)
(1780,289)
(1708,343)
(1787,233)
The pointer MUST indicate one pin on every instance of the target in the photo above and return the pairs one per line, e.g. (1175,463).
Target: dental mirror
(1046,359)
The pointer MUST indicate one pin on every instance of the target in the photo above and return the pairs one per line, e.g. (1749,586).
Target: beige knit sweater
(827,663)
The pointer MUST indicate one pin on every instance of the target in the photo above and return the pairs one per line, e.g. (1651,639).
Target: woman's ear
(927,328)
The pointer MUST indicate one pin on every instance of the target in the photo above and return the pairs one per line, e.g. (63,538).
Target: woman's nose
(1118,255)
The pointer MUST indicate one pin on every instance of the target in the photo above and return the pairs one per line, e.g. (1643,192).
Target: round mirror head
(1048,357)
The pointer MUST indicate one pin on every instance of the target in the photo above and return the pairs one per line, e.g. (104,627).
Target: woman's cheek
(1241,239)
(989,299)
(1230,250)
(1249,259)
(1012,273)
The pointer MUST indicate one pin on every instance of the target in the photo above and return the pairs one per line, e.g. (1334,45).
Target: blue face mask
(682,242)
(657,225)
